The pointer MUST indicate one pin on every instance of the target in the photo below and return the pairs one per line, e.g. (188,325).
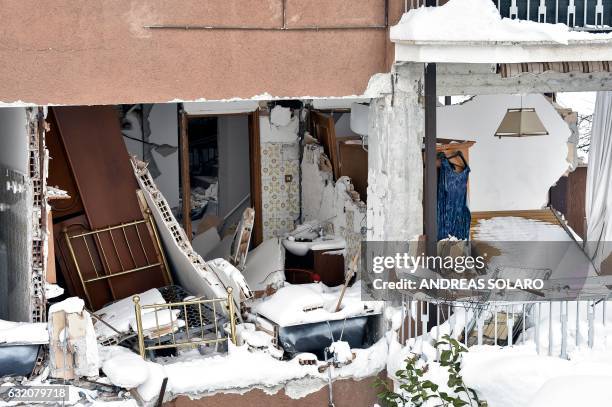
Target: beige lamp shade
(521,122)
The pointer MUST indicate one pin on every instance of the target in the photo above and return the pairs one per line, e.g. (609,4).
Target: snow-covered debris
(478,21)
(73,338)
(69,306)
(23,332)
(307,303)
(341,351)
(121,314)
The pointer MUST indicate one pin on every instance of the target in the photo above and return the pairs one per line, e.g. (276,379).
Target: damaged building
(191,230)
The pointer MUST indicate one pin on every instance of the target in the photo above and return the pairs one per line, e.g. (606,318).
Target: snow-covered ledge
(472,31)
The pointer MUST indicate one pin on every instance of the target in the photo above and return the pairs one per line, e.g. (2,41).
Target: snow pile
(241,369)
(478,20)
(309,303)
(517,376)
(341,351)
(72,305)
(123,367)
(23,332)
(571,391)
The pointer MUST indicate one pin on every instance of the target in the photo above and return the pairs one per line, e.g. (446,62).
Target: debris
(120,314)
(73,349)
(265,266)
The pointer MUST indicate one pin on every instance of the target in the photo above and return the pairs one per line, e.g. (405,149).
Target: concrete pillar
(395,162)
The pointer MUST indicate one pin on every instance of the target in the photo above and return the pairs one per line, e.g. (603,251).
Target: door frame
(254,170)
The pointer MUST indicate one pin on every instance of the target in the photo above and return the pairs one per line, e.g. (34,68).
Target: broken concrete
(73,349)
(395,162)
(333,203)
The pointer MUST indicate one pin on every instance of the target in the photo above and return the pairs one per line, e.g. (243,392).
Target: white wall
(234,163)
(14,138)
(508,173)
(163,126)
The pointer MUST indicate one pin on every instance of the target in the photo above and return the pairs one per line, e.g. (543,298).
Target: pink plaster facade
(99,52)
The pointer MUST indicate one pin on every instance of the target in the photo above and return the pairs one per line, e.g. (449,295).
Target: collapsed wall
(23,160)
(326,200)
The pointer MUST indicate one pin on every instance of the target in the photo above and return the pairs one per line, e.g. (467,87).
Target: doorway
(220,172)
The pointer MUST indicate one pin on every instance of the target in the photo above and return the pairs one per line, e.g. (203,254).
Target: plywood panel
(324,130)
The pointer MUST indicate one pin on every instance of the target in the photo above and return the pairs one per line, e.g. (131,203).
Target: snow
(120,314)
(517,229)
(571,391)
(53,291)
(287,306)
(69,306)
(23,332)
(517,376)
(478,20)
(151,387)
(123,367)
(241,369)
(341,351)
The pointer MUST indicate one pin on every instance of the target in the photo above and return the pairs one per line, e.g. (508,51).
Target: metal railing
(549,324)
(188,323)
(583,15)
(105,264)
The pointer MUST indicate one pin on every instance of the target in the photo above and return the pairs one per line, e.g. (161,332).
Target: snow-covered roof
(473,31)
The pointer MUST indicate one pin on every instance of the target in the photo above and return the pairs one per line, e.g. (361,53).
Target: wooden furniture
(90,161)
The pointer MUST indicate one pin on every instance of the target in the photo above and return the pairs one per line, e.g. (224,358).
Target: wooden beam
(185,182)
(255,173)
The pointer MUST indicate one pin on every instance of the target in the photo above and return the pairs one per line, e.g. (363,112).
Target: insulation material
(599,180)
(324,200)
(73,349)
(188,266)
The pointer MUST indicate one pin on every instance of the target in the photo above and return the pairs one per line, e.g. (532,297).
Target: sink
(300,247)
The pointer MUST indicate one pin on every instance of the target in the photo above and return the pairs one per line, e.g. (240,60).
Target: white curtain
(599,181)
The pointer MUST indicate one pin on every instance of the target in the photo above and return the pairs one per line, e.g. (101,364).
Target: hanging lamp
(521,122)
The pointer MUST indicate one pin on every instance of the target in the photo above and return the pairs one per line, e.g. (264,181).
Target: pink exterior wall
(76,52)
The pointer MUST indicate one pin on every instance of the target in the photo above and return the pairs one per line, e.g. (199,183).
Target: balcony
(580,15)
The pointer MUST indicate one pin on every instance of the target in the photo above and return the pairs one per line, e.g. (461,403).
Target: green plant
(416,391)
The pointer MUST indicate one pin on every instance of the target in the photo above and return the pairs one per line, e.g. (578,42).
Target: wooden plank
(185,181)
(354,164)
(255,174)
(324,130)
